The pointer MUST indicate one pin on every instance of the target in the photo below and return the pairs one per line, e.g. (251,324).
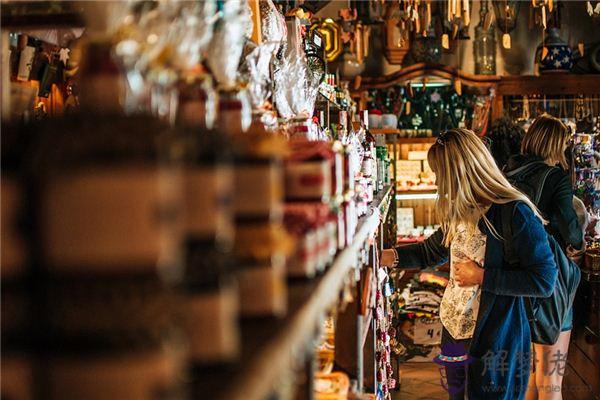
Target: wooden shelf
(402,140)
(271,346)
(422,70)
(562,83)
(431,191)
(385,131)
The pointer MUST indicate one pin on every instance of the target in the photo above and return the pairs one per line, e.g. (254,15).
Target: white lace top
(460,305)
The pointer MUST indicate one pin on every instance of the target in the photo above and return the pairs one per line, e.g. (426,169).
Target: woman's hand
(468,273)
(388,258)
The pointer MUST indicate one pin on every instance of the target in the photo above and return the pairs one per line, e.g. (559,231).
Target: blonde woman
(482,309)
(543,155)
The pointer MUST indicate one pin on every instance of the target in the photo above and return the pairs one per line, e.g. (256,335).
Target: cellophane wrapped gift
(157,42)
(228,40)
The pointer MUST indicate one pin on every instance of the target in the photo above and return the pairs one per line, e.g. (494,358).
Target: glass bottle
(484,45)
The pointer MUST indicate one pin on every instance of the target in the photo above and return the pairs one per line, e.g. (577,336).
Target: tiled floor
(420,381)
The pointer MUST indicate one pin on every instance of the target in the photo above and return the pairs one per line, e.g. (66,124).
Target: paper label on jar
(208,196)
(211,324)
(258,190)
(111,219)
(148,375)
(308,180)
(12,255)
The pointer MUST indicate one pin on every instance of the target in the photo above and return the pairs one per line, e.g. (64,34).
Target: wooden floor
(420,381)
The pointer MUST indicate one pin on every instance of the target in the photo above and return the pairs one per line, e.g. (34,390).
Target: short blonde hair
(468,179)
(546,138)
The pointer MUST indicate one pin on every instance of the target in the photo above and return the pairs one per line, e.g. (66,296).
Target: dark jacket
(556,203)
(502,328)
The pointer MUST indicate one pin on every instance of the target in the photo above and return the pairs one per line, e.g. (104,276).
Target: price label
(428,331)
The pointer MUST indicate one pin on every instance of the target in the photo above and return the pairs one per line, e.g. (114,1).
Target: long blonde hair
(468,180)
(546,138)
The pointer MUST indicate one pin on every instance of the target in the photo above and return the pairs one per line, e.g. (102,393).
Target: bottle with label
(106,235)
(381,152)
(369,164)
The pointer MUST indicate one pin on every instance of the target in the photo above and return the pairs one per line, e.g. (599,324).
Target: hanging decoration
(331,32)
(506,12)
(594,10)
(456,18)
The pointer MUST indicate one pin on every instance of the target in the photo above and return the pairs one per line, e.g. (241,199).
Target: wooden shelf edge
(261,372)
(563,83)
(402,140)
(423,69)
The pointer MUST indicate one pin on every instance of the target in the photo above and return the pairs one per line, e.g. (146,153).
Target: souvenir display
(197,196)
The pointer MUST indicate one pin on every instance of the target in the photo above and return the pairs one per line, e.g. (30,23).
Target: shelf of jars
(272,347)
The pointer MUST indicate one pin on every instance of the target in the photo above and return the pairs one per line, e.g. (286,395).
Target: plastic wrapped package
(227,44)
(258,63)
(282,79)
(194,31)
(273,26)
(303,87)
(157,42)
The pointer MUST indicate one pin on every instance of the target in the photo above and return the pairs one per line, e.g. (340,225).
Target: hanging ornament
(428,14)
(445,41)
(544,20)
(506,42)
(526,113)
(454,31)
(593,11)
(544,53)
(506,13)
(467,12)
(487,21)
(458,86)
(581,47)
(408,105)
(63,55)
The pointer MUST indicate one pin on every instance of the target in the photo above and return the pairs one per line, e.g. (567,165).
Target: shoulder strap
(523,168)
(540,187)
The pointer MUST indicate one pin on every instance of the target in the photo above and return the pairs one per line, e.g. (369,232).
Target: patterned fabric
(460,305)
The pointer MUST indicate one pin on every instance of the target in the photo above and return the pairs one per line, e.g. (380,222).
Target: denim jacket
(502,326)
